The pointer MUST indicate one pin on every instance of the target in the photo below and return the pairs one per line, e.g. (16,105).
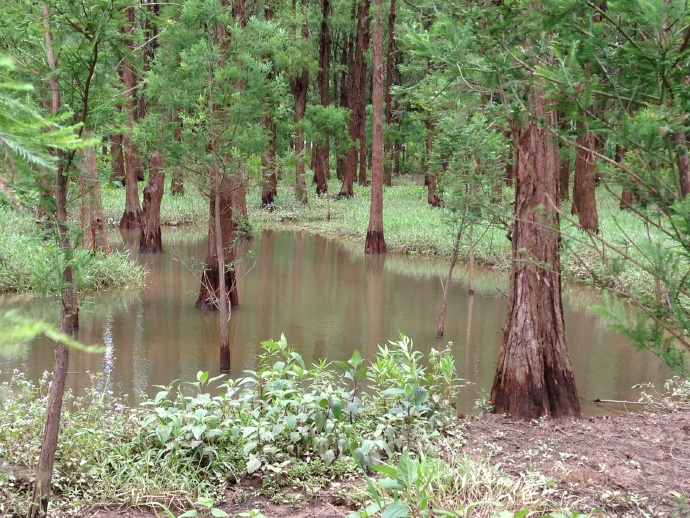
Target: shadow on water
(328,299)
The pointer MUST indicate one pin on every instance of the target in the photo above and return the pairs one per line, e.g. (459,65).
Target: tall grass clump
(31,263)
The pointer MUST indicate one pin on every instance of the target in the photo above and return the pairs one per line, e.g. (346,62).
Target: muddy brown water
(328,299)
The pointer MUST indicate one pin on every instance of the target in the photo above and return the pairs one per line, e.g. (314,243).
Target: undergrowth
(296,427)
(31,263)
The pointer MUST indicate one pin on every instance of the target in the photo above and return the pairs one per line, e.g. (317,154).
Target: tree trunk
(534,377)
(346,72)
(353,100)
(131,218)
(375,242)
(564,179)
(321,152)
(299,86)
(69,312)
(151,240)
(209,289)
(91,207)
(430,177)
(584,185)
(177,182)
(389,147)
(362,118)
(446,286)
(117,158)
(269,188)
(682,161)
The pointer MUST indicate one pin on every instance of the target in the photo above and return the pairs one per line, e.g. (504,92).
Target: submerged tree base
(375,243)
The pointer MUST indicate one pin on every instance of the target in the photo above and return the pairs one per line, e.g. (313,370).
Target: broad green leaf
(396,509)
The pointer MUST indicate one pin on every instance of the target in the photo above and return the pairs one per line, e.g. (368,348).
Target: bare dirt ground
(632,465)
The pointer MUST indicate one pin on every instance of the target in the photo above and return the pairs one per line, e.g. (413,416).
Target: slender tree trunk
(321,152)
(299,86)
(346,72)
(177,182)
(446,286)
(91,207)
(584,185)
(131,218)
(564,179)
(534,376)
(269,177)
(117,158)
(430,176)
(69,320)
(362,118)
(151,239)
(375,242)
(682,161)
(470,261)
(389,147)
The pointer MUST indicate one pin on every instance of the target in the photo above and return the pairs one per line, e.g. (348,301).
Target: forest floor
(630,465)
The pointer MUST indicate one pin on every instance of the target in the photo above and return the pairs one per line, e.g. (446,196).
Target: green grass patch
(31,262)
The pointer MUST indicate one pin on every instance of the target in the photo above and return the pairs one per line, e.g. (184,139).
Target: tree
(375,242)
(151,239)
(534,376)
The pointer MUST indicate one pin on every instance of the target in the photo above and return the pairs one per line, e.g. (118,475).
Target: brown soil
(632,465)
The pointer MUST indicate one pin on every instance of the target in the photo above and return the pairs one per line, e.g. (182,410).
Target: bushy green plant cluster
(285,411)
(294,425)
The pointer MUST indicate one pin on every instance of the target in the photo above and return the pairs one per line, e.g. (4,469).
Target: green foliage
(292,424)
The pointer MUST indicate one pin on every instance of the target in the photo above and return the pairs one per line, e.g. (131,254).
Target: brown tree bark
(345,80)
(117,156)
(389,146)
(534,376)
(375,242)
(299,86)
(682,162)
(209,290)
(90,205)
(177,182)
(354,98)
(430,176)
(151,239)
(362,118)
(269,188)
(134,171)
(564,179)
(321,152)
(584,184)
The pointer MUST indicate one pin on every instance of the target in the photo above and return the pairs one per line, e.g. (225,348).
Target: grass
(31,263)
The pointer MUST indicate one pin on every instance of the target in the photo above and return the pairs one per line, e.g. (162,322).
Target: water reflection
(328,299)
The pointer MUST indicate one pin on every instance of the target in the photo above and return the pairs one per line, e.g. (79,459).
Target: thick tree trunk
(584,185)
(91,207)
(151,239)
(534,377)
(354,99)
(375,242)
(682,162)
(389,147)
(134,171)
(321,152)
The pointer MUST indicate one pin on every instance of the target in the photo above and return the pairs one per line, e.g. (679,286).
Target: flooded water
(328,300)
